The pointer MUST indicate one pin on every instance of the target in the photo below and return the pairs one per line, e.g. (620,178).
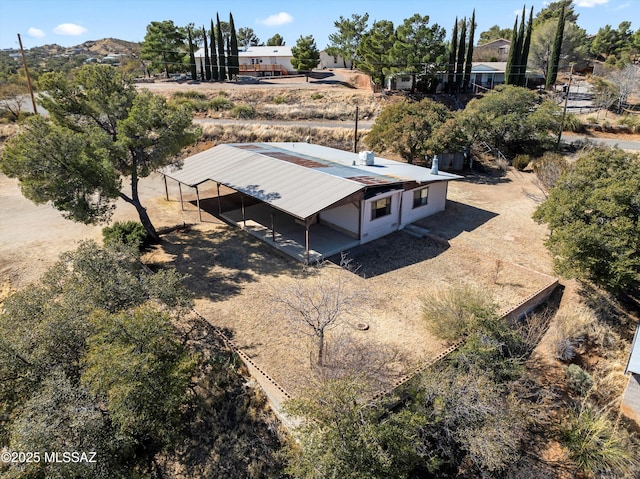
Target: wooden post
(244,219)
(180,189)
(198,203)
(355,135)
(306,237)
(26,72)
(166,189)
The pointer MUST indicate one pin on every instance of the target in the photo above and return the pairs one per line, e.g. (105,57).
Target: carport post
(306,237)
(180,189)
(166,188)
(273,226)
(198,203)
(219,204)
(244,219)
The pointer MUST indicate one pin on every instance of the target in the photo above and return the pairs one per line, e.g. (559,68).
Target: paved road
(624,144)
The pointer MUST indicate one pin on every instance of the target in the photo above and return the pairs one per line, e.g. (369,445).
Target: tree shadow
(217,263)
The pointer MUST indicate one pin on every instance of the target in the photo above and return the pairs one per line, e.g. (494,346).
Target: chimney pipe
(434,165)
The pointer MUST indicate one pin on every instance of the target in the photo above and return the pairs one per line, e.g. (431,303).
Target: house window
(420,197)
(381,208)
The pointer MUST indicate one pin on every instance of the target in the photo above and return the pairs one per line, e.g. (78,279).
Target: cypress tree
(451,67)
(517,68)
(214,58)
(472,32)
(203,74)
(222,64)
(207,60)
(512,59)
(524,58)
(234,54)
(461,51)
(192,57)
(552,71)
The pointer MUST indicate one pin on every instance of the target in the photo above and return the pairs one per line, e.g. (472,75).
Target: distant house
(260,61)
(312,201)
(631,399)
(493,51)
(332,61)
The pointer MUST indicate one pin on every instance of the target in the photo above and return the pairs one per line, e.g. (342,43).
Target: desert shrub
(596,445)
(573,123)
(578,380)
(243,111)
(592,120)
(568,331)
(279,100)
(223,93)
(631,122)
(549,168)
(129,233)
(520,162)
(317,96)
(455,312)
(190,94)
(220,103)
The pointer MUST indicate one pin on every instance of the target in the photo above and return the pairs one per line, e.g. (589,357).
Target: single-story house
(260,61)
(313,201)
(483,75)
(631,399)
(332,61)
(493,51)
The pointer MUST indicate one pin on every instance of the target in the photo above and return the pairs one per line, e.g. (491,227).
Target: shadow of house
(458,218)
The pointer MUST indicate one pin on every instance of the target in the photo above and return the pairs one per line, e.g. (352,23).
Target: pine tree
(467,69)
(552,72)
(207,59)
(453,48)
(461,52)
(234,54)
(222,63)
(512,59)
(192,57)
(214,57)
(524,57)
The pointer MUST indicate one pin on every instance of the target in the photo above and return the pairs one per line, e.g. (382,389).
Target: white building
(316,200)
(260,61)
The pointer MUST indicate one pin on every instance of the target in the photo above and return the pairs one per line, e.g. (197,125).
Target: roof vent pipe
(367,158)
(434,165)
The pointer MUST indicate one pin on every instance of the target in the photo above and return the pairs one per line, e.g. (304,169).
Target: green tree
(408,129)
(305,55)
(461,52)
(469,58)
(164,45)
(451,65)
(276,41)
(418,47)
(609,42)
(556,49)
(101,129)
(373,51)
(345,41)
(215,75)
(192,58)
(593,216)
(222,62)
(494,33)
(526,47)
(207,57)
(513,119)
(234,53)
(247,37)
(341,436)
(513,58)
(554,10)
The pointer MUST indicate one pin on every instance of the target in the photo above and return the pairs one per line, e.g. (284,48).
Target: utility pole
(355,135)
(564,113)
(26,71)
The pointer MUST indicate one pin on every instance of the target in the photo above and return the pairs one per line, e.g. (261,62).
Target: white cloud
(35,32)
(276,20)
(69,29)
(590,3)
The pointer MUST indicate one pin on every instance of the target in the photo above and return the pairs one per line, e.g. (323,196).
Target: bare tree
(626,81)
(319,300)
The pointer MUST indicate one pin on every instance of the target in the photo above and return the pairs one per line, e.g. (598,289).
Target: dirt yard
(493,244)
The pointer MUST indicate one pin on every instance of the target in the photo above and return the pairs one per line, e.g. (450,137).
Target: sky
(71,22)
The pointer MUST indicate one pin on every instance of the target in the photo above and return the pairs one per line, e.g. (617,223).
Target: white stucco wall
(343,217)
(436,202)
(373,229)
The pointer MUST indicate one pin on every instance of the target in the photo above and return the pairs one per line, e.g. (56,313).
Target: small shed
(315,200)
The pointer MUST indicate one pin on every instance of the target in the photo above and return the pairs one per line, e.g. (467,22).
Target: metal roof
(298,178)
